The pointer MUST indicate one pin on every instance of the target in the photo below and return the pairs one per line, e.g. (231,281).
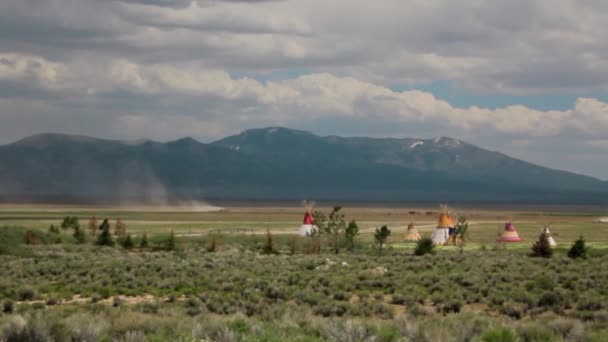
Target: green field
(60,290)
(484,224)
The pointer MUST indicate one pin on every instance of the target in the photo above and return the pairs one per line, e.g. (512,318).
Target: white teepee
(550,238)
(446,223)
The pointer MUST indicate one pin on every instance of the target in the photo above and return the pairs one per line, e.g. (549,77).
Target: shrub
(117,301)
(590,303)
(269,244)
(500,335)
(26,293)
(84,327)
(537,333)
(398,300)
(133,336)
(15,329)
(548,299)
(31,238)
(52,301)
(513,310)
(424,246)
(452,306)
(213,244)
(578,249)
(8,306)
(147,307)
(347,332)
(541,247)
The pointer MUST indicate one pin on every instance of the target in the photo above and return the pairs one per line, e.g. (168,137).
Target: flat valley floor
(218,281)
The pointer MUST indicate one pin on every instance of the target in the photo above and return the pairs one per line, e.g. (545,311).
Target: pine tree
(541,247)
(127,243)
(170,243)
(380,236)
(352,230)
(424,246)
(105,237)
(70,222)
(336,224)
(53,229)
(460,235)
(143,243)
(578,249)
(79,235)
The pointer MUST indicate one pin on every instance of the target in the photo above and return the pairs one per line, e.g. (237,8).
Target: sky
(528,78)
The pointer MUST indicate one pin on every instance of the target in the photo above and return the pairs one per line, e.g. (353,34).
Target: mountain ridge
(275,163)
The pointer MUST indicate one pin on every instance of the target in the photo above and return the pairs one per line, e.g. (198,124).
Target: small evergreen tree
(336,224)
(381,235)
(66,223)
(269,245)
(170,243)
(460,235)
(352,230)
(127,242)
(542,248)
(70,222)
(578,249)
(53,229)
(143,243)
(105,237)
(424,246)
(79,235)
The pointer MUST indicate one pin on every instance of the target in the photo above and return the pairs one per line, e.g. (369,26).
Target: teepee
(550,239)
(412,233)
(308,225)
(509,234)
(444,227)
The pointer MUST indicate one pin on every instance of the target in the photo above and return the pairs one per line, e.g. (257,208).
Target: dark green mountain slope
(277,164)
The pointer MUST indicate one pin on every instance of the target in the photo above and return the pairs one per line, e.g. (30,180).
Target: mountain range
(279,164)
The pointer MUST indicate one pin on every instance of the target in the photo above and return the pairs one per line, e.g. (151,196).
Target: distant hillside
(275,164)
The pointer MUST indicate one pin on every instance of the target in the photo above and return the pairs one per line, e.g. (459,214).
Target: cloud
(213,18)
(314,96)
(210,67)
(510,47)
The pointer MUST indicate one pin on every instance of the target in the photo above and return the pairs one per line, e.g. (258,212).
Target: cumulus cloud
(212,67)
(315,96)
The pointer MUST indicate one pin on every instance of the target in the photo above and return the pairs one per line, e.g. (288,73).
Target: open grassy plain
(65,291)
